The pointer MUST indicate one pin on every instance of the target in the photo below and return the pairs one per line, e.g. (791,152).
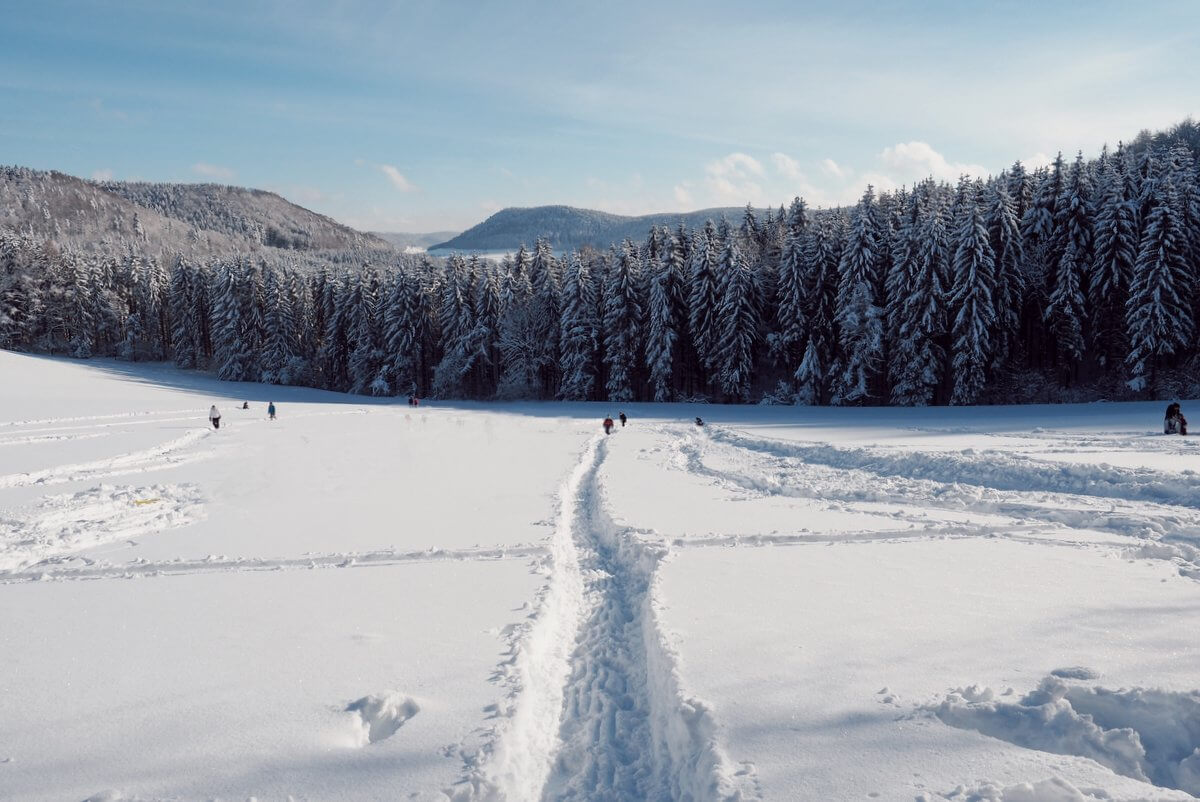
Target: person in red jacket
(608,425)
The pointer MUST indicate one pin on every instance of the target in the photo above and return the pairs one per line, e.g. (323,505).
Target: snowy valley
(364,600)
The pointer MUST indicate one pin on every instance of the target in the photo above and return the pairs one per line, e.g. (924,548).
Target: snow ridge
(617,724)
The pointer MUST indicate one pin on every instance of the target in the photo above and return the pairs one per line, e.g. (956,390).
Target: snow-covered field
(365,601)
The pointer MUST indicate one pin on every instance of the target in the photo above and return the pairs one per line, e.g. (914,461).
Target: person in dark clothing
(271,410)
(245,405)
(1174,422)
(215,417)
(608,425)
(699,421)
(623,419)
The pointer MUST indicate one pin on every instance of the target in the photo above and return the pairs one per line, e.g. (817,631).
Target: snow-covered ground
(480,602)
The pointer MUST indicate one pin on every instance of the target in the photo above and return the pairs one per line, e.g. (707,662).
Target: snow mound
(1149,734)
(381,717)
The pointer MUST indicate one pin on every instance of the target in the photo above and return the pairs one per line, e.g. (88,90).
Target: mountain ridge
(571,227)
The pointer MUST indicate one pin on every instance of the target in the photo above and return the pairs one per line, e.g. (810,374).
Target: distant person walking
(214,415)
(623,419)
(245,405)
(608,425)
(271,410)
(699,421)
(1174,422)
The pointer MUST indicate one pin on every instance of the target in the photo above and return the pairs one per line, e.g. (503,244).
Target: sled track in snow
(596,709)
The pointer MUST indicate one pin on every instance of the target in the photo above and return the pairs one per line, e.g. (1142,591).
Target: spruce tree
(622,325)
(577,332)
(972,303)
(1159,320)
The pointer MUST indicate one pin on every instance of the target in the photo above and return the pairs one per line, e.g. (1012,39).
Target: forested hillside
(251,214)
(1076,280)
(195,219)
(567,228)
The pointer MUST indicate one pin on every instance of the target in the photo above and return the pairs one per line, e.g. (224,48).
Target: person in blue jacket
(271,410)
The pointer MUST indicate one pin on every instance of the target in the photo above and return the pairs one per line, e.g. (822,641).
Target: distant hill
(566,227)
(252,214)
(194,219)
(423,241)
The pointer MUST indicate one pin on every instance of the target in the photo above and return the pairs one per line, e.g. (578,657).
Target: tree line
(1067,276)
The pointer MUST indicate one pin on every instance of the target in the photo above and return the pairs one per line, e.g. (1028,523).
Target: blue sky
(420,116)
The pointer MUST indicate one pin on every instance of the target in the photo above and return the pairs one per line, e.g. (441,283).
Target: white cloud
(730,180)
(831,167)
(213,171)
(1037,160)
(908,162)
(683,197)
(397,178)
(104,174)
(787,166)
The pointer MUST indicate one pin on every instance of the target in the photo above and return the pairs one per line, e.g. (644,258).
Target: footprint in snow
(380,717)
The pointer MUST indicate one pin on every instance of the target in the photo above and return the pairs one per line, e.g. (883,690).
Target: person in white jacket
(215,416)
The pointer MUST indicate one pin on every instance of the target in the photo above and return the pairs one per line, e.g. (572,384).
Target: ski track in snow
(66,567)
(164,455)
(596,707)
(989,469)
(1152,530)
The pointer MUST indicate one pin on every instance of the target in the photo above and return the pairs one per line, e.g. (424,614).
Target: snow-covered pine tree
(739,324)
(455,321)
(365,365)
(545,283)
(789,340)
(859,318)
(971,300)
(821,256)
(1159,318)
(281,346)
(916,309)
(485,337)
(183,343)
(703,297)
(622,324)
(333,349)
(233,360)
(1004,234)
(519,345)
(578,332)
(78,302)
(1116,251)
(1037,225)
(1071,259)
(661,332)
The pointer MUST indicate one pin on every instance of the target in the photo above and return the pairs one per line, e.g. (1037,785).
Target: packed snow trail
(597,710)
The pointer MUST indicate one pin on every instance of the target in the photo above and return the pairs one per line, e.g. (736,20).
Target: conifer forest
(1073,281)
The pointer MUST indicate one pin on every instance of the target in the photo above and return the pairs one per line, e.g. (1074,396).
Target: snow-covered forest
(1074,280)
